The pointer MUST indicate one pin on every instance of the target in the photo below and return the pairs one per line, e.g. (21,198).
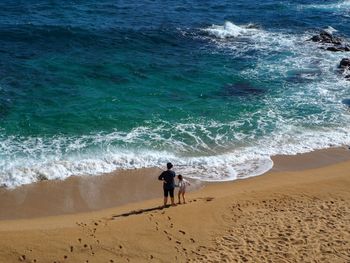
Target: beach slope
(283,216)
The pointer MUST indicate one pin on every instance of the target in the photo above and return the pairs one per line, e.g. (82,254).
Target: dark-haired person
(168,184)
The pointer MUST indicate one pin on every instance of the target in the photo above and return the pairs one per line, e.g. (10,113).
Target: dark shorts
(168,191)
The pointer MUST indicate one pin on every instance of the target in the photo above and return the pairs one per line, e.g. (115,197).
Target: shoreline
(79,194)
(281,216)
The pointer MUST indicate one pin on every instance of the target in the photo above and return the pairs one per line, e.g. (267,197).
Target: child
(182,187)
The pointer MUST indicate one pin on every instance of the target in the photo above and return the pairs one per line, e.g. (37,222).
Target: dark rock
(329,38)
(316,38)
(326,37)
(338,48)
(344,67)
(334,49)
(344,63)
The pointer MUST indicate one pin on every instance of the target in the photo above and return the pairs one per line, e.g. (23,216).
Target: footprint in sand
(182,232)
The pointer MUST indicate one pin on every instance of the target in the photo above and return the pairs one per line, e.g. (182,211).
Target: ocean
(216,87)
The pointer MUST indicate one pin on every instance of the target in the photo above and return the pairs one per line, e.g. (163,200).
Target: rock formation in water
(344,65)
(327,38)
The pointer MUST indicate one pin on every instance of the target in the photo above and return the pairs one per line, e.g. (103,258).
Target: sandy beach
(297,212)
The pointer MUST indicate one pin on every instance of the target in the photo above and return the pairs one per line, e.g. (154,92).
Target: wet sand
(294,213)
(80,194)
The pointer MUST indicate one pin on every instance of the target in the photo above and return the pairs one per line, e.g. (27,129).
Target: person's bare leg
(178,195)
(172,201)
(165,200)
(183,197)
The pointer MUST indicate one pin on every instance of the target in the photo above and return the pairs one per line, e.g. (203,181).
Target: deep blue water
(216,87)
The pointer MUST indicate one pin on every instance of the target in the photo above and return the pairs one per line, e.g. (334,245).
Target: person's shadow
(140,211)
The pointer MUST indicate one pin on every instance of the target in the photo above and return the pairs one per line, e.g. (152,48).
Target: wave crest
(228,30)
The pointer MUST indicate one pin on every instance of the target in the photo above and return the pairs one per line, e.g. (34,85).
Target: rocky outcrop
(344,66)
(332,43)
(339,48)
(345,63)
(326,37)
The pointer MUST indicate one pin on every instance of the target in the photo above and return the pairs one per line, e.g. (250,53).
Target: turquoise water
(216,87)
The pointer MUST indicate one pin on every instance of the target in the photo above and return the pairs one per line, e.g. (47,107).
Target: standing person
(168,184)
(183,183)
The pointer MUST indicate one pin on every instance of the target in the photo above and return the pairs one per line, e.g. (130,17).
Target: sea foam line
(240,163)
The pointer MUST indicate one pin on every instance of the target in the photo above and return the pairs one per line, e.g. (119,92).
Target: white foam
(242,162)
(228,30)
(343,6)
(211,168)
(330,30)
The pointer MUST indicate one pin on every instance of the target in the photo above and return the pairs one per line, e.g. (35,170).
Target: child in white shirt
(183,183)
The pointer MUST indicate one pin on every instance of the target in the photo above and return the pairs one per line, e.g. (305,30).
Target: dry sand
(288,215)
